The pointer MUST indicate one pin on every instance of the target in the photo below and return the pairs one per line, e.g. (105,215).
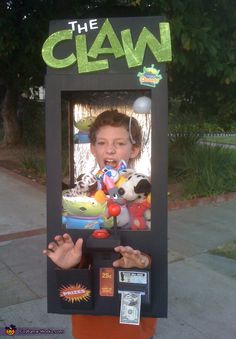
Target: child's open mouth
(111,162)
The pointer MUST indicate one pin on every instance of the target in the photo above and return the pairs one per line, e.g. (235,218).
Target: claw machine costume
(94,64)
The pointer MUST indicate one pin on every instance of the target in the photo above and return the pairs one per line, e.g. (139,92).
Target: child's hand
(63,252)
(131,258)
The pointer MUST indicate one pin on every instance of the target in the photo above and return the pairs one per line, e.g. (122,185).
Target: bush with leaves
(204,170)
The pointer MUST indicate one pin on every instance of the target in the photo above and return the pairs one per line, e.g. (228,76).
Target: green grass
(221,139)
(204,170)
(228,250)
(33,162)
(209,171)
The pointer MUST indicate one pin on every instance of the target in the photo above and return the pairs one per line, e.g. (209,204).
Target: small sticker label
(132,277)
(74,293)
(106,288)
(150,76)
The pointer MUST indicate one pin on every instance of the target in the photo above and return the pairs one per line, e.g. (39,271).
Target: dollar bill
(130,307)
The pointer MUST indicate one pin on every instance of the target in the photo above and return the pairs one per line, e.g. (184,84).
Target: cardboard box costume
(92,61)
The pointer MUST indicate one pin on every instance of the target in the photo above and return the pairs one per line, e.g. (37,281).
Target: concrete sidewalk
(202,287)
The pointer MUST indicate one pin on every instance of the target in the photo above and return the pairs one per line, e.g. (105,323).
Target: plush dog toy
(135,190)
(136,187)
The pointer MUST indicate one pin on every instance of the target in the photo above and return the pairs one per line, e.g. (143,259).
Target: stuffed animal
(81,208)
(100,191)
(108,175)
(136,190)
(83,212)
(86,182)
(83,126)
(86,205)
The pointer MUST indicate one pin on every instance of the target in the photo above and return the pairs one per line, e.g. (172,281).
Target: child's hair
(117,119)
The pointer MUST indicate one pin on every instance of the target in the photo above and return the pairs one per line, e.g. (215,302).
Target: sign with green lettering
(99,44)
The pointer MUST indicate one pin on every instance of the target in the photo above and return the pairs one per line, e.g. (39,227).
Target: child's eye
(100,143)
(120,144)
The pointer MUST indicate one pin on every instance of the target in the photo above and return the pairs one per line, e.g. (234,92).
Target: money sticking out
(130,307)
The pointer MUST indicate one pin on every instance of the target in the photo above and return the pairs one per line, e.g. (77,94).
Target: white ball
(142,105)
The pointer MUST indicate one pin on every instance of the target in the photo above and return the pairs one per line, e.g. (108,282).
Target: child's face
(112,145)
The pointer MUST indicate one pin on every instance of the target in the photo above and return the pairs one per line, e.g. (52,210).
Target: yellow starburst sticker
(74,293)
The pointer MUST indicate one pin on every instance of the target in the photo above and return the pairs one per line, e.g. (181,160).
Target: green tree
(24,27)
(19,67)
(202,75)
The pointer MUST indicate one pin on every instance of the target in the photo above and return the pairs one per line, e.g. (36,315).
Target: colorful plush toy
(83,126)
(108,176)
(87,204)
(136,190)
(82,211)
(86,182)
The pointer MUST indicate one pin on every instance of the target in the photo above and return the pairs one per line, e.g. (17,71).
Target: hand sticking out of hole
(131,258)
(64,252)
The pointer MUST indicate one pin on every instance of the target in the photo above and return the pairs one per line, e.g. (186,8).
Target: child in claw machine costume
(110,136)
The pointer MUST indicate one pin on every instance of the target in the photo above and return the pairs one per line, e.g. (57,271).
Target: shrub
(182,139)
(33,162)
(208,171)
(183,133)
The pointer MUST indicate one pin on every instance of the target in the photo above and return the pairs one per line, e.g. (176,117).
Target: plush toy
(83,126)
(108,175)
(93,194)
(108,178)
(82,211)
(85,183)
(100,191)
(136,190)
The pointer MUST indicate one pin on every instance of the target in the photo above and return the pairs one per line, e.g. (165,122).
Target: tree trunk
(11,126)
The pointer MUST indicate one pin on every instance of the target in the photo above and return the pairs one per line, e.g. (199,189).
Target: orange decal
(74,293)
(106,282)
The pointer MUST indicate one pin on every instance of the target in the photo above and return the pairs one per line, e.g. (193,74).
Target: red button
(114,210)
(100,234)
